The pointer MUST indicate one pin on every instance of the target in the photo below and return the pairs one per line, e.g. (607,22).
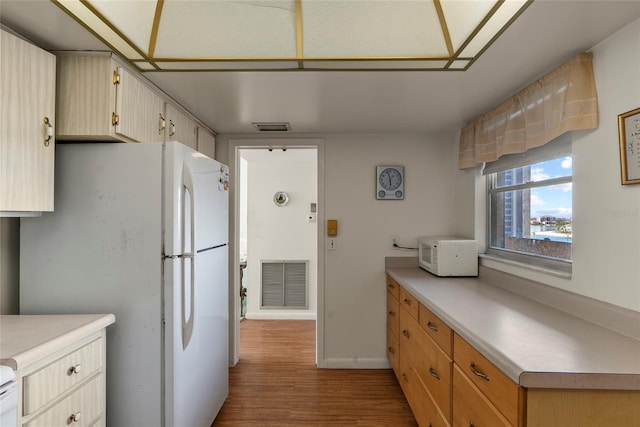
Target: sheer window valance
(563,100)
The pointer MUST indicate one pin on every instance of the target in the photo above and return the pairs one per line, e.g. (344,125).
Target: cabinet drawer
(431,364)
(85,404)
(393,313)
(393,350)
(393,287)
(471,407)
(492,382)
(46,384)
(437,329)
(419,400)
(407,301)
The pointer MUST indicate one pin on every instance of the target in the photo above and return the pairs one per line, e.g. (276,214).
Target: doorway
(276,222)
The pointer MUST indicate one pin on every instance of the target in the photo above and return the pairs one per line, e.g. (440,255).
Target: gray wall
(9,265)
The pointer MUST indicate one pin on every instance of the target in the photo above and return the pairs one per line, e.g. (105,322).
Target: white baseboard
(355,363)
(280,316)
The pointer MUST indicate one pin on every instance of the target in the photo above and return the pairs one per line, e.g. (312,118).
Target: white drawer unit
(60,367)
(81,408)
(44,385)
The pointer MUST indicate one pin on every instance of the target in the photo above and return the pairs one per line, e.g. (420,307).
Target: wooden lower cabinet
(505,395)
(448,382)
(393,351)
(582,408)
(418,397)
(393,325)
(421,366)
(430,363)
(472,408)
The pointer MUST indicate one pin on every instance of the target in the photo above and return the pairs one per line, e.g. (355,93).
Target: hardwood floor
(276,383)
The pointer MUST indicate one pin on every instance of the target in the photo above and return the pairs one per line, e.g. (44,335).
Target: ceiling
(548,33)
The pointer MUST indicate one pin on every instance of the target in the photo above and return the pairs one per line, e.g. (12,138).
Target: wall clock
(390,182)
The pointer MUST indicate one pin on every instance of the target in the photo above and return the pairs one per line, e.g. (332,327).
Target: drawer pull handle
(391,286)
(392,313)
(74,418)
(478,373)
(434,374)
(407,301)
(74,369)
(432,326)
(406,333)
(391,350)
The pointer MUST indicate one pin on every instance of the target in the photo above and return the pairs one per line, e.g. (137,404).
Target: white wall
(280,233)
(353,309)
(606,214)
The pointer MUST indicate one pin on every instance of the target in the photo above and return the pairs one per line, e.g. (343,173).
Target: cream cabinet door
(27,117)
(206,143)
(138,110)
(180,127)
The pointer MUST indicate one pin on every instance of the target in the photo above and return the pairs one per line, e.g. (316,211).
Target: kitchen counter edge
(514,369)
(26,338)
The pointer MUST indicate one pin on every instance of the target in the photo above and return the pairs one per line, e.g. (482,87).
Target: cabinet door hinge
(115,119)
(116,78)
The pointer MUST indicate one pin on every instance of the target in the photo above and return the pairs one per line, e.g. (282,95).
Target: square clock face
(390,182)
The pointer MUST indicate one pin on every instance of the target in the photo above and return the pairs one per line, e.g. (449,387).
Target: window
(530,211)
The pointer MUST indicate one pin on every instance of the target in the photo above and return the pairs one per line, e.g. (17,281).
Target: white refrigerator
(141,231)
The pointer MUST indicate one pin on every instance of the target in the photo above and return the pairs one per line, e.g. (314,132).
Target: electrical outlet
(393,240)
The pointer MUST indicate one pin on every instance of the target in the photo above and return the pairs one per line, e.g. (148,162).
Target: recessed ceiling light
(182,36)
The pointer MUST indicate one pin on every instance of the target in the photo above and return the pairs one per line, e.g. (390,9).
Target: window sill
(537,269)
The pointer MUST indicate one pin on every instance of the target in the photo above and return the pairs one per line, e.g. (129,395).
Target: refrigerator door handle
(188,258)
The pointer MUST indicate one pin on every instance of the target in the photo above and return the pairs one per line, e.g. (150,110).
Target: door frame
(234,147)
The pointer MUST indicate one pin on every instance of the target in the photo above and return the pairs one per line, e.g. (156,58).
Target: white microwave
(448,256)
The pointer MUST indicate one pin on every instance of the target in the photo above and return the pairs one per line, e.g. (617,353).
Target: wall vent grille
(272,126)
(284,284)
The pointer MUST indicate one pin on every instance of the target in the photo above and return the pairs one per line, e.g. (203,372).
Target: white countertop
(535,345)
(26,338)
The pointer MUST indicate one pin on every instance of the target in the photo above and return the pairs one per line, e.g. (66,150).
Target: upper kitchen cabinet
(180,126)
(206,142)
(101,99)
(27,117)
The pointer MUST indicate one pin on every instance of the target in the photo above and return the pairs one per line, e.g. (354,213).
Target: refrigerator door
(196,288)
(208,179)
(197,377)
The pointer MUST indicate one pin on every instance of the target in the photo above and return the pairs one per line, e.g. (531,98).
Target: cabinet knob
(406,333)
(74,418)
(48,131)
(392,313)
(391,350)
(75,369)
(391,286)
(407,301)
